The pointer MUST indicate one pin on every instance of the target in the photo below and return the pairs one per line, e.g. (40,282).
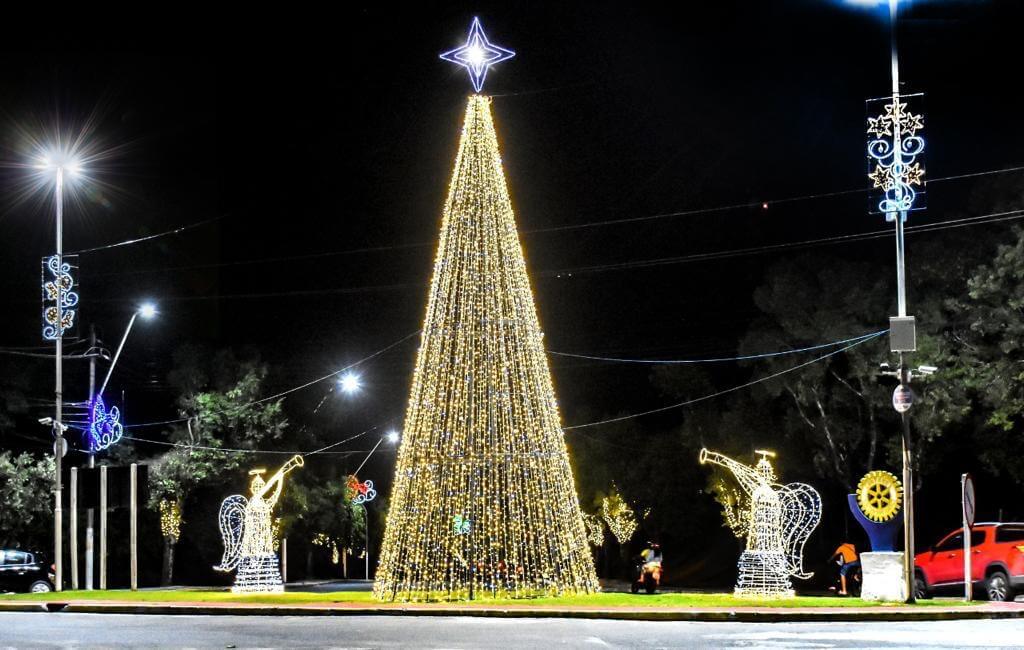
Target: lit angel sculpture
(778,523)
(247,528)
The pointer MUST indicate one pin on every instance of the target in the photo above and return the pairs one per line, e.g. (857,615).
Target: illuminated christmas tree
(483,501)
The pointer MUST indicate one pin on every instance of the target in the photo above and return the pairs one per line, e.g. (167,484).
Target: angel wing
(232,527)
(801,512)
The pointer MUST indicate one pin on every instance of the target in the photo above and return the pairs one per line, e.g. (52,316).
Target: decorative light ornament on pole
(483,498)
(781,518)
(247,528)
(360,493)
(105,426)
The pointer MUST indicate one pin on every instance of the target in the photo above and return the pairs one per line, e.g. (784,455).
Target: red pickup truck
(997,562)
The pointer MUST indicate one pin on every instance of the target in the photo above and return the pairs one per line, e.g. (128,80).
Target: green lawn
(604,599)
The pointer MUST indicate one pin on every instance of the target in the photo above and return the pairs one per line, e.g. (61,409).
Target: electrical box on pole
(902,334)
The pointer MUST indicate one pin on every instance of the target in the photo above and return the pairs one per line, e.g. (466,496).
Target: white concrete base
(882,577)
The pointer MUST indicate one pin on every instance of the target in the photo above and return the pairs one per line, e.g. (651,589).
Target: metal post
(134,516)
(90,513)
(901,300)
(284,560)
(968,574)
(103,527)
(366,529)
(58,524)
(117,354)
(73,539)
(908,494)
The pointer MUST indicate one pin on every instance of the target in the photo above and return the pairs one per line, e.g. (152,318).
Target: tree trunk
(167,574)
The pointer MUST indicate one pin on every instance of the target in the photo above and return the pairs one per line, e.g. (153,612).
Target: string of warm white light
(619,516)
(483,499)
(170,519)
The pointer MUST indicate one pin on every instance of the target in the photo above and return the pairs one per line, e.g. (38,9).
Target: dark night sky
(317,137)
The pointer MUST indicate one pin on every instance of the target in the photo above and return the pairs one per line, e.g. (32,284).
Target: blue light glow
(477,55)
(105,427)
(58,289)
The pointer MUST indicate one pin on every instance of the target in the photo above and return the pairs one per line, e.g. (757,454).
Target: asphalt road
(25,630)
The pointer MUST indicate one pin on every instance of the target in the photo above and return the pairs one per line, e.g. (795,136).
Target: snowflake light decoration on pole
(894,147)
(477,55)
(105,427)
(781,518)
(248,531)
(58,288)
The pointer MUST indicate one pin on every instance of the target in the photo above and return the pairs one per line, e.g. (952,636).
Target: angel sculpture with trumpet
(247,528)
(779,521)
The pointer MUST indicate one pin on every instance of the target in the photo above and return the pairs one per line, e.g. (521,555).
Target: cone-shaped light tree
(483,500)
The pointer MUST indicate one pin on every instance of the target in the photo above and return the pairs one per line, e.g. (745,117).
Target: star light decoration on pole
(477,55)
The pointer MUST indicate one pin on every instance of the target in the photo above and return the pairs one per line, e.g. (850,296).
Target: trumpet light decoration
(779,521)
(247,527)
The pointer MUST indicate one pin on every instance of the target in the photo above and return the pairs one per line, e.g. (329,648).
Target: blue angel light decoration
(105,427)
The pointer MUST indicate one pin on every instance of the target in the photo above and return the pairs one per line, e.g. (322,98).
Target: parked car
(997,562)
(21,571)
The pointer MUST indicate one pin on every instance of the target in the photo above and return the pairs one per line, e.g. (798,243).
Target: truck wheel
(997,587)
(40,587)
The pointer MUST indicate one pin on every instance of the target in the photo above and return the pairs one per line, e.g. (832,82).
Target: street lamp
(894,143)
(391,437)
(349,383)
(58,165)
(147,311)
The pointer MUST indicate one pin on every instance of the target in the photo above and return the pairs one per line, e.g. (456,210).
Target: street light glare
(147,310)
(391,436)
(349,383)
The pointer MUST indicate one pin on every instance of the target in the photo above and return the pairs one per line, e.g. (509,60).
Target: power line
(228,450)
(565,227)
(139,240)
(719,359)
(290,390)
(722,392)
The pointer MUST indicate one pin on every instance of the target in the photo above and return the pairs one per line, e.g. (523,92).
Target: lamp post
(893,146)
(147,311)
(392,438)
(59,166)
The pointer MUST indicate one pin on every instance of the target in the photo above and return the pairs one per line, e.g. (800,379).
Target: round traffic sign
(902,398)
(968,499)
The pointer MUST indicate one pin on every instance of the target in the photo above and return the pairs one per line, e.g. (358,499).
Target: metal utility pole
(90,513)
(58,431)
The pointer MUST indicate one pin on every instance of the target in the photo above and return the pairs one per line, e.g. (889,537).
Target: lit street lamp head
(391,437)
(349,383)
(147,310)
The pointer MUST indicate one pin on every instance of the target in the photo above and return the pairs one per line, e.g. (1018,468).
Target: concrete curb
(760,615)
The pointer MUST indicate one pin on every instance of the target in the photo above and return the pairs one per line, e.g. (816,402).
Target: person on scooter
(651,553)
(848,560)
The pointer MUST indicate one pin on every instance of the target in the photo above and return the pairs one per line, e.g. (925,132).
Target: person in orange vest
(846,556)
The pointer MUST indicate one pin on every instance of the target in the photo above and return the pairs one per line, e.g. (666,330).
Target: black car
(21,571)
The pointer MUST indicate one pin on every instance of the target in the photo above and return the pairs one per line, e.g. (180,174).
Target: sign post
(967,496)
